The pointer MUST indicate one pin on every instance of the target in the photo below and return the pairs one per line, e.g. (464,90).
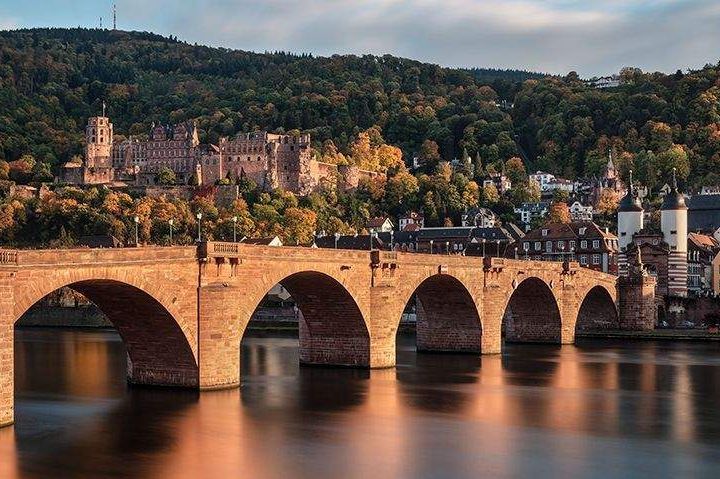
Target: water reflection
(654,408)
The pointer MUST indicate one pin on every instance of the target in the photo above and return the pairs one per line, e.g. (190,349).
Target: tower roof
(674,200)
(630,202)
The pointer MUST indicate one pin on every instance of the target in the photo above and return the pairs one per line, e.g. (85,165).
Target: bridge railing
(8,256)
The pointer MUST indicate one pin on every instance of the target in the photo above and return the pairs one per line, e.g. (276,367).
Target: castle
(271,160)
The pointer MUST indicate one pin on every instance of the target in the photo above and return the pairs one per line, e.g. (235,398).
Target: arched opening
(157,350)
(532,314)
(597,312)
(447,318)
(330,327)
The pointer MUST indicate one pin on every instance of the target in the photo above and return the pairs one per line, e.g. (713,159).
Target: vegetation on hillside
(375,112)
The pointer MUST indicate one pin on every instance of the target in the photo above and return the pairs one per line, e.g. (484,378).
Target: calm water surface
(600,409)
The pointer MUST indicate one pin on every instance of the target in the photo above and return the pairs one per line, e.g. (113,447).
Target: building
(529,212)
(501,182)
(272,161)
(631,220)
(379,224)
(612,81)
(412,221)
(458,240)
(267,241)
(702,250)
(664,252)
(578,212)
(674,227)
(542,178)
(97,166)
(581,241)
(704,213)
(480,217)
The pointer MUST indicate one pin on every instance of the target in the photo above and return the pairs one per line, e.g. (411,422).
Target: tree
(299,226)
(166,176)
(608,202)
(490,194)
(429,154)
(515,170)
(4,170)
(559,213)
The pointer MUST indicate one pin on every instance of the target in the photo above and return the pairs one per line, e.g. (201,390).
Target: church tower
(674,226)
(98,150)
(630,221)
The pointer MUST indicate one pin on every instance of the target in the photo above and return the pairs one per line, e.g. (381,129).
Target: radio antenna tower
(114,17)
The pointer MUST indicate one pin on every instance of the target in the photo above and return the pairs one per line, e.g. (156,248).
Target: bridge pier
(6,350)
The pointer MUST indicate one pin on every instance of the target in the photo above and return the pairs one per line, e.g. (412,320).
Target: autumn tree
(559,213)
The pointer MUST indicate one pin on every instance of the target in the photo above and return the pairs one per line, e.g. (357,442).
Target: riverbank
(654,335)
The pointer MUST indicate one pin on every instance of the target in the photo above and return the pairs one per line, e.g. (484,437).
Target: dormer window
(544,232)
(582,230)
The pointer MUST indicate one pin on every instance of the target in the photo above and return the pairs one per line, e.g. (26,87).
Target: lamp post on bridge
(431,246)
(235,220)
(171,222)
(447,248)
(337,237)
(483,243)
(199,219)
(137,222)
(498,247)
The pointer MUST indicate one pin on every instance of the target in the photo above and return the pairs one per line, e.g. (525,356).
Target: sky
(554,36)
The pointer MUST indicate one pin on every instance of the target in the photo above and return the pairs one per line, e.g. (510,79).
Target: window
(526,246)
(623,234)
(572,245)
(548,246)
(596,259)
(673,232)
(596,244)
(583,260)
(583,244)
(544,232)
(561,245)
(538,246)
(582,230)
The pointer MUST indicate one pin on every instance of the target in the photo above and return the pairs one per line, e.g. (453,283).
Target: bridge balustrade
(8,257)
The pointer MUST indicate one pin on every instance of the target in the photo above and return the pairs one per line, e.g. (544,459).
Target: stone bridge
(182,311)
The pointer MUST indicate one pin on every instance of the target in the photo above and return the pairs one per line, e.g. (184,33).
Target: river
(599,409)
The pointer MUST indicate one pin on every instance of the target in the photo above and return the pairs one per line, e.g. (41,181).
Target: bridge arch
(597,311)
(532,314)
(158,350)
(332,327)
(447,316)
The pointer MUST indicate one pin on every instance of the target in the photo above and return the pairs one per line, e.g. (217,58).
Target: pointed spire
(630,186)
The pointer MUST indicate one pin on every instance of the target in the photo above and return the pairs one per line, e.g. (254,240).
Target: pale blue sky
(591,37)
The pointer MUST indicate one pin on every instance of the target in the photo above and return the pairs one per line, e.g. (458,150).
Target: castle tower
(630,221)
(98,166)
(674,226)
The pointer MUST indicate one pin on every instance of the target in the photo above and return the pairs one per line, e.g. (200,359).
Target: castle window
(596,259)
(596,244)
(583,260)
(583,244)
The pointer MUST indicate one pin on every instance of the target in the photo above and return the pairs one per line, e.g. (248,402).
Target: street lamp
(431,246)
(171,222)
(199,218)
(447,247)
(372,231)
(137,222)
(498,248)
(392,244)
(337,237)
(234,220)
(483,243)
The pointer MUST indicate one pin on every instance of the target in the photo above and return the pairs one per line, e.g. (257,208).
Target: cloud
(546,35)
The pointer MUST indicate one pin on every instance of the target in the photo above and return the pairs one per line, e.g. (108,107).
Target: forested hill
(51,80)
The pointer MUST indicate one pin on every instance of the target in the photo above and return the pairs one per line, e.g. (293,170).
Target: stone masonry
(182,311)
